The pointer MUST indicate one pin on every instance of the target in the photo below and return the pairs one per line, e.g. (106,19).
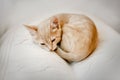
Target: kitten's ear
(32,29)
(54,24)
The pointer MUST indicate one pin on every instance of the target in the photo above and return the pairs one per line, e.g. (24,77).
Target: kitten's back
(79,35)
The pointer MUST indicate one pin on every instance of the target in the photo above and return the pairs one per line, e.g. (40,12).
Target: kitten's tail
(70,56)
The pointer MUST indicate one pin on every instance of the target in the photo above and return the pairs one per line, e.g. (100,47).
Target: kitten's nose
(51,49)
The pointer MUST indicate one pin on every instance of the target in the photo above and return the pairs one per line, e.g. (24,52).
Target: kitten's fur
(76,33)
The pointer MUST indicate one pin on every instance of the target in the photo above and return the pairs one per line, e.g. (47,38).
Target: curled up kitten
(76,34)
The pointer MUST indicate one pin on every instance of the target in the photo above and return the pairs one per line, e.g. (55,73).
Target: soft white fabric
(14,11)
(21,59)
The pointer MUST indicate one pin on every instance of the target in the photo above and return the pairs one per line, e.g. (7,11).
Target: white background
(16,11)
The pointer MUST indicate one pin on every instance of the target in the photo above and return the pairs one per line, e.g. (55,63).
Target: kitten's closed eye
(53,40)
(42,43)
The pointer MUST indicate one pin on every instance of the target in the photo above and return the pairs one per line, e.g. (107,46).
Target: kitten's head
(48,34)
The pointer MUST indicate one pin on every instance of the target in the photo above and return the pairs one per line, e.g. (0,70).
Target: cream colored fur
(76,34)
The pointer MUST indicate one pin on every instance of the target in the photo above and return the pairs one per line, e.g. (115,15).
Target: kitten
(76,34)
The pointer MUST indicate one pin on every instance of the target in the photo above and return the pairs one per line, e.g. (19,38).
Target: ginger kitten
(76,34)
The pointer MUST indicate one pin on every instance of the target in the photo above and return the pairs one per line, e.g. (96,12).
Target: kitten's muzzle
(53,49)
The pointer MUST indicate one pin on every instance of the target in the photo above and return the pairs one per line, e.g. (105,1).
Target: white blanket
(21,59)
